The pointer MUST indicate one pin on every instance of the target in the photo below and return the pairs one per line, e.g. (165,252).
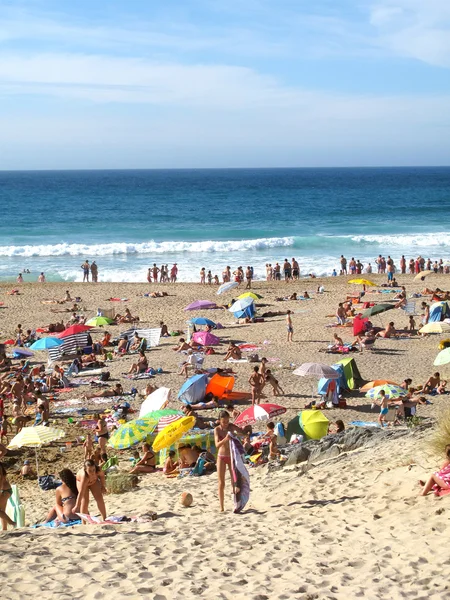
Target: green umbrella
(391,391)
(99,321)
(377,309)
(131,433)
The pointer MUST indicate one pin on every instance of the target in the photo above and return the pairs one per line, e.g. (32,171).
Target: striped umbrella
(131,433)
(259,412)
(375,383)
(164,421)
(391,391)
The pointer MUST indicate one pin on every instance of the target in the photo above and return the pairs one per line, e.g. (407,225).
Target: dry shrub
(119,483)
(440,436)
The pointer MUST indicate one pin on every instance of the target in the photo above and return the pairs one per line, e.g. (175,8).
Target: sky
(224,83)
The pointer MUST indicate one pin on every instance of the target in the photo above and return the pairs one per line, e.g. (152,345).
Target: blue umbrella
(46,343)
(202,321)
(193,389)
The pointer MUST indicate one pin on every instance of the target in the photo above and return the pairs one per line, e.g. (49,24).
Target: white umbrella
(155,401)
(35,437)
(241,304)
(316,371)
(226,287)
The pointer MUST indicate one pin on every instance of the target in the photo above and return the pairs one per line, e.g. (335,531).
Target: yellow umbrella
(421,276)
(362,282)
(250,295)
(437,327)
(35,437)
(172,433)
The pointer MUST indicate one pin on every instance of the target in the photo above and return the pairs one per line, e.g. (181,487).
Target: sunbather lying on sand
(117,390)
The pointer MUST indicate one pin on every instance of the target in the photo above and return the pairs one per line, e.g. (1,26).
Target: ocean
(127,220)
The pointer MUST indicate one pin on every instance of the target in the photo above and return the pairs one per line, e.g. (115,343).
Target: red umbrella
(204,338)
(73,330)
(9,342)
(259,412)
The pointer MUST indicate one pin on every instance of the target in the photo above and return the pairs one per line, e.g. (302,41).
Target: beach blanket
(239,474)
(140,376)
(236,360)
(57,523)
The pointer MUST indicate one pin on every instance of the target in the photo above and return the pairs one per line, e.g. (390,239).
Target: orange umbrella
(375,383)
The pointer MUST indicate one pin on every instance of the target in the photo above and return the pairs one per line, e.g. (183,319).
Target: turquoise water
(127,220)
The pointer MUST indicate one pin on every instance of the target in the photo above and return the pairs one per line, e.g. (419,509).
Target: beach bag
(105,376)
(48,482)
(210,351)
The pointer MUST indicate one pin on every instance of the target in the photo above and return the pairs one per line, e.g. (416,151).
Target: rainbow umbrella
(391,391)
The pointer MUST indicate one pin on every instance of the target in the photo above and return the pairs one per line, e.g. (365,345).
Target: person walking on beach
(5,495)
(85,267)
(222,443)
(295,269)
(94,272)
(289,326)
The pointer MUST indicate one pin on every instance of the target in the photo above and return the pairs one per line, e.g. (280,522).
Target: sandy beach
(351,527)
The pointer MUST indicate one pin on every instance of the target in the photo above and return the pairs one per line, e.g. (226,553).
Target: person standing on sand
(173,273)
(203,275)
(256,381)
(290,327)
(155,272)
(403,264)
(222,443)
(41,278)
(295,269)
(149,275)
(343,265)
(248,277)
(85,266)
(5,495)
(94,272)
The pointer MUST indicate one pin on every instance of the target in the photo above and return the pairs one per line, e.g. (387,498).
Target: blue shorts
(384,411)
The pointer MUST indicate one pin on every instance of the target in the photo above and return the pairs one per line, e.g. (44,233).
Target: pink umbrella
(201,304)
(204,338)
(259,412)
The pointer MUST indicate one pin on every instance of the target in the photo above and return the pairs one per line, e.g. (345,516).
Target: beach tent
(193,389)
(349,379)
(311,424)
(439,311)
(219,385)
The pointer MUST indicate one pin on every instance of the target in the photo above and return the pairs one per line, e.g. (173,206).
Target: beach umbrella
(421,276)
(250,295)
(365,282)
(193,389)
(259,412)
(220,385)
(9,342)
(316,370)
(73,330)
(167,420)
(204,338)
(391,391)
(241,305)
(155,401)
(201,304)
(377,309)
(202,321)
(46,343)
(376,383)
(172,433)
(131,433)
(314,423)
(21,352)
(226,287)
(442,358)
(436,327)
(99,321)
(35,437)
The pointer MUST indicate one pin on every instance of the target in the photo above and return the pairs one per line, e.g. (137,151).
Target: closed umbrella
(259,412)
(241,305)
(204,338)
(442,358)
(391,391)
(201,304)
(35,437)
(436,327)
(226,287)
(46,343)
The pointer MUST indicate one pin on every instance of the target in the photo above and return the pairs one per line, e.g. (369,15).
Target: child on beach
(272,438)
(411,324)
(256,382)
(441,479)
(88,447)
(289,326)
(270,379)
(171,465)
(384,407)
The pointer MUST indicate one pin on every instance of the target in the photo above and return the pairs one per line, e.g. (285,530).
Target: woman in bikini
(222,443)
(141,365)
(5,495)
(66,498)
(102,433)
(92,478)
(147,464)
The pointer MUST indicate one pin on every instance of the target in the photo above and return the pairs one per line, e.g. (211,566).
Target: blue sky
(224,83)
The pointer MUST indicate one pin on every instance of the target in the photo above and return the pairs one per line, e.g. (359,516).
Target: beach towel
(240,475)
(140,376)
(57,523)
(236,360)
(364,424)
